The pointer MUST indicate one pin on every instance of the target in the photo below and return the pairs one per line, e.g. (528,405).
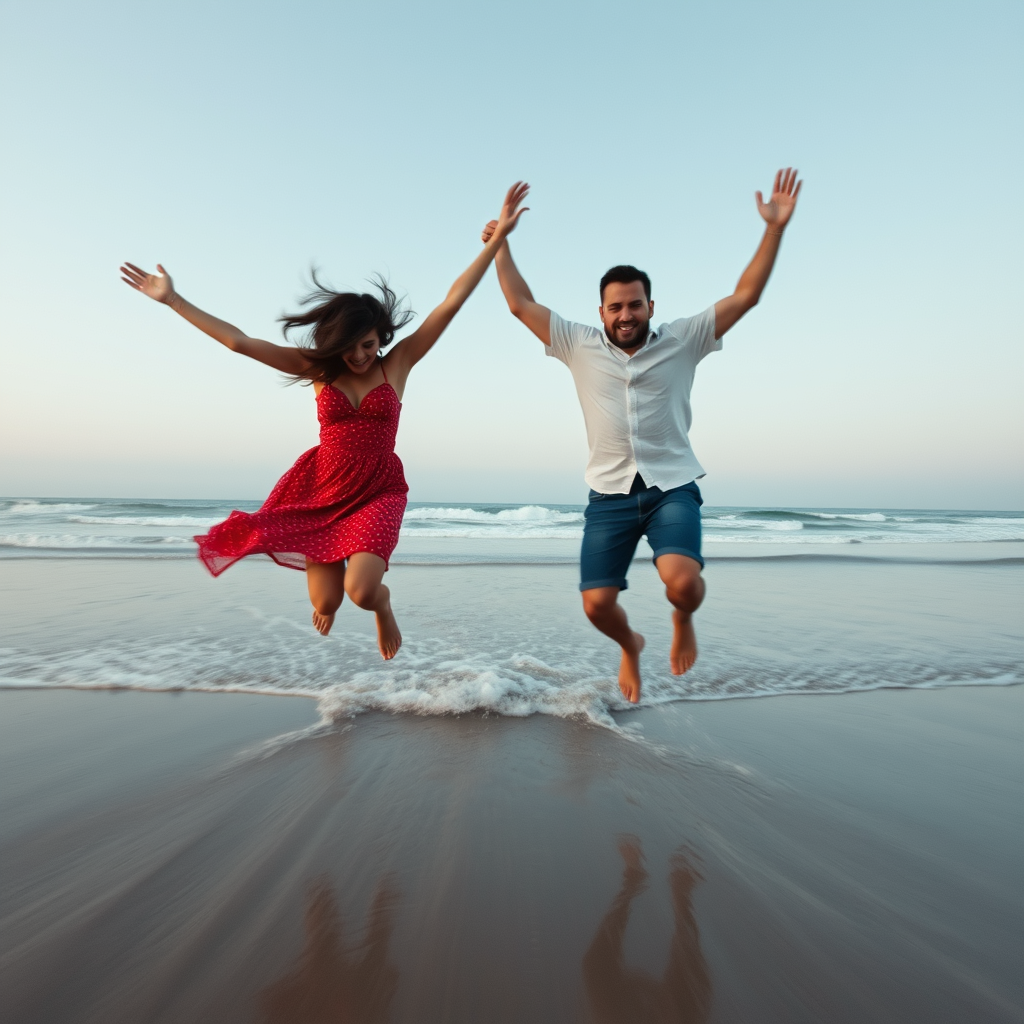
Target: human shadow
(336,982)
(617,993)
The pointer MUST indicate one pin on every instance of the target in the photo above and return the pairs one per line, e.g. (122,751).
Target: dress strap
(382,370)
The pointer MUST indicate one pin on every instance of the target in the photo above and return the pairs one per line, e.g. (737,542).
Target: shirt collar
(652,337)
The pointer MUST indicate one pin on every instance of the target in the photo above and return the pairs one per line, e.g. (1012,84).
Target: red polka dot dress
(347,494)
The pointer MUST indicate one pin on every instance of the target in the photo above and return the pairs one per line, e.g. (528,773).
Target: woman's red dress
(347,494)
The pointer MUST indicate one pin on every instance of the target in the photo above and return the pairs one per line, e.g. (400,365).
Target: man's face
(626,314)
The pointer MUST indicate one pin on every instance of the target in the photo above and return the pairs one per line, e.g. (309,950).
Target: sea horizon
(77,526)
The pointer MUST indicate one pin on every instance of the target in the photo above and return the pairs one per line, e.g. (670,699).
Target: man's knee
(684,585)
(597,603)
(686,593)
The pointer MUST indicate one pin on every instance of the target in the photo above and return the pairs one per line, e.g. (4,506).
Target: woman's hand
(409,351)
(510,211)
(157,286)
(779,208)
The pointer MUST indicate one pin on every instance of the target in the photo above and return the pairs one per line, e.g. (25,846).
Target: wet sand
(836,858)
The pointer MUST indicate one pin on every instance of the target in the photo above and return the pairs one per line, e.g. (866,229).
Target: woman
(337,512)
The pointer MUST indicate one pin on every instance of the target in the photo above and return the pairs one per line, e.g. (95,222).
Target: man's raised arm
(776,213)
(517,292)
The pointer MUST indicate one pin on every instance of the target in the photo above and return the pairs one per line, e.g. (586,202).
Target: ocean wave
(863,517)
(162,521)
(527,514)
(29,506)
(434,677)
(77,542)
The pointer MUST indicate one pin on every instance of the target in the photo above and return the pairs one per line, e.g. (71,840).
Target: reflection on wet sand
(617,993)
(332,983)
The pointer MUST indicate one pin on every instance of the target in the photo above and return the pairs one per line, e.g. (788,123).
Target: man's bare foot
(322,623)
(684,643)
(389,638)
(629,670)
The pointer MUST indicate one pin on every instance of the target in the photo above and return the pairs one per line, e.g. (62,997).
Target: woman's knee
(363,594)
(326,602)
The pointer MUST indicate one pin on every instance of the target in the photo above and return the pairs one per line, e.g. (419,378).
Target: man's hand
(516,291)
(779,208)
(776,213)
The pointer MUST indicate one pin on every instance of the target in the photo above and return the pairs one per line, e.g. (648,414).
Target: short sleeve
(698,333)
(565,337)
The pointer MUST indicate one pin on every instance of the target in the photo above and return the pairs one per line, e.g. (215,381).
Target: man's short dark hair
(625,274)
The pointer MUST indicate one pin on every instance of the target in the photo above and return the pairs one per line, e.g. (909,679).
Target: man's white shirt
(637,408)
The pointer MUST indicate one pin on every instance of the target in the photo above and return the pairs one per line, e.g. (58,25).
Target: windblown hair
(337,320)
(625,274)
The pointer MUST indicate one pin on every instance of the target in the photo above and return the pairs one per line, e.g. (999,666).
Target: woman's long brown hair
(338,320)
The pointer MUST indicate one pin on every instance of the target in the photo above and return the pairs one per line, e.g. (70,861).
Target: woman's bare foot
(684,643)
(322,623)
(389,638)
(629,669)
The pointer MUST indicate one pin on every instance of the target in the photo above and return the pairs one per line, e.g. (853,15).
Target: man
(634,386)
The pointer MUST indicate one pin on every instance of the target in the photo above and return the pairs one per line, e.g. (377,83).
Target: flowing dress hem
(217,563)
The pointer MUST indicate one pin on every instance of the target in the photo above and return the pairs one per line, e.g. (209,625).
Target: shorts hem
(678,551)
(621,582)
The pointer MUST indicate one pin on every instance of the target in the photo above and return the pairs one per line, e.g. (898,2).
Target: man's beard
(641,336)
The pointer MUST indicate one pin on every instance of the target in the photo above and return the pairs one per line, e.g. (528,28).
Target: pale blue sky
(239,143)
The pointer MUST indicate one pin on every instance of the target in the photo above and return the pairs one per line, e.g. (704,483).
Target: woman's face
(363,354)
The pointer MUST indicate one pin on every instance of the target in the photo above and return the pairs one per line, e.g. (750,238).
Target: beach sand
(180,857)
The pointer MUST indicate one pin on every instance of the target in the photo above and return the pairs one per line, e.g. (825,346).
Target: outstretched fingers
(786,182)
(132,275)
(136,276)
(156,286)
(132,271)
(515,195)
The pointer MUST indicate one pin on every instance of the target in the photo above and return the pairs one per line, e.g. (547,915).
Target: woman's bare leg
(326,584)
(363,585)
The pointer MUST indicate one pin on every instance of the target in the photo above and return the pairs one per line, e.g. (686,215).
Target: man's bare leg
(684,588)
(326,592)
(601,605)
(363,585)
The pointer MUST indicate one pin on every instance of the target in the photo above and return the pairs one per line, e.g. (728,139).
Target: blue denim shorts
(614,524)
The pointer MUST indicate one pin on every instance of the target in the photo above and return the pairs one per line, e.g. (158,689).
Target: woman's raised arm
(160,288)
(409,351)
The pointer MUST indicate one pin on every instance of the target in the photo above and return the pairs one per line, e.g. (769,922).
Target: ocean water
(107,594)
(80,527)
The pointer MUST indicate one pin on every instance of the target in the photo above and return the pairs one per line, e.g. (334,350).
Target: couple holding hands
(337,512)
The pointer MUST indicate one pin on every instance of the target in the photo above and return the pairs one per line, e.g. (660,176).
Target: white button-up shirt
(637,408)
